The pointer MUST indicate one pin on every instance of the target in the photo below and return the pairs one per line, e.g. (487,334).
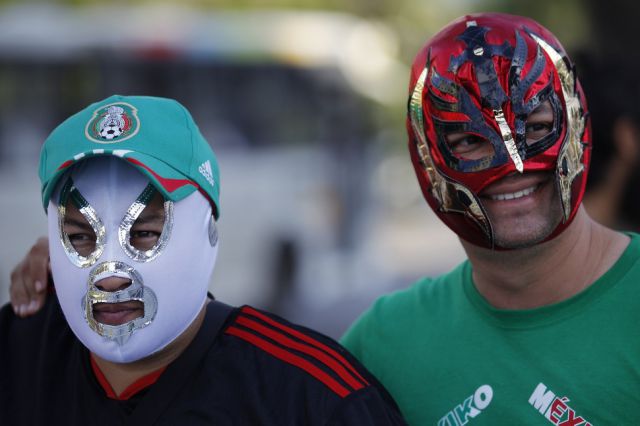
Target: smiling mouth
(514,195)
(117,313)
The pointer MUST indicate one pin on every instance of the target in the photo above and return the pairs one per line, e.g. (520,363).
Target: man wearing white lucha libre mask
(131,335)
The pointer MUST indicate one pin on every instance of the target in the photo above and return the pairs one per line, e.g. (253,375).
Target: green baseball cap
(156,135)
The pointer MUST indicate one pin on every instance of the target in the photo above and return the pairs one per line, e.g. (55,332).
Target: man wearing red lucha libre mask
(539,322)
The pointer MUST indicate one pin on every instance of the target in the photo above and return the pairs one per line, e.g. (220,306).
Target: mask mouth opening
(116,315)
(118,312)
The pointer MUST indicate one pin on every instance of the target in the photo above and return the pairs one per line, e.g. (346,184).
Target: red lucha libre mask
(483,75)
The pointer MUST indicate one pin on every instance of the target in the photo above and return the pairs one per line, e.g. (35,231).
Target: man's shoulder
(422,294)
(295,349)
(306,371)
(396,316)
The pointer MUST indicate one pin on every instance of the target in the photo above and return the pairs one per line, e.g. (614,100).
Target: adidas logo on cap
(205,170)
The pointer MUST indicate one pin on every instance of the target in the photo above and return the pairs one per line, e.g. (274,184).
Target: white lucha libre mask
(170,279)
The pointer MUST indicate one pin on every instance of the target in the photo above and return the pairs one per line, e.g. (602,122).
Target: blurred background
(303,103)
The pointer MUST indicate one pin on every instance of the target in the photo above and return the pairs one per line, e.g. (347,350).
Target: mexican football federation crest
(113,123)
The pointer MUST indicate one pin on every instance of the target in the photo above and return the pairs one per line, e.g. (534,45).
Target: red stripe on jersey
(250,311)
(317,354)
(290,358)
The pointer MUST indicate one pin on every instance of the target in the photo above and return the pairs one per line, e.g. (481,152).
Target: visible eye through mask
(82,232)
(143,232)
(146,227)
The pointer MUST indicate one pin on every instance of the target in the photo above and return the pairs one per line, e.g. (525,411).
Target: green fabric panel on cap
(156,135)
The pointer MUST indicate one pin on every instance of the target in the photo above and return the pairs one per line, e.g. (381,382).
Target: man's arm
(29,280)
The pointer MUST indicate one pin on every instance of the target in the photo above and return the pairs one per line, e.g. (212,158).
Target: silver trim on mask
(124,230)
(507,138)
(136,291)
(69,191)
(448,193)
(569,164)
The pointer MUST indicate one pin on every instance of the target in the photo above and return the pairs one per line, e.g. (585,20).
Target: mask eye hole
(78,230)
(81,231)
(540,123)
(146,227)
(469,146)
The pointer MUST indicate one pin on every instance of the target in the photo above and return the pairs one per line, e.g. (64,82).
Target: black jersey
(257,369)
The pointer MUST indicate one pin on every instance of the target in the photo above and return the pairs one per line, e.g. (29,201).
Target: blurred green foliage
(414,21)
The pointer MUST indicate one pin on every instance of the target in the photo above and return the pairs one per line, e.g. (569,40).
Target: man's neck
(549,272)
(120,376)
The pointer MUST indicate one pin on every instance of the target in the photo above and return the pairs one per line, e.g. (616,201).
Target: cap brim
(172,184)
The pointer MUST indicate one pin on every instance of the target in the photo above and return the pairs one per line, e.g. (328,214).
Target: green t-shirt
(449,358)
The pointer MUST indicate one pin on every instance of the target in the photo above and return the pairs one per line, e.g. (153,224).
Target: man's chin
(523,239)
(517,244)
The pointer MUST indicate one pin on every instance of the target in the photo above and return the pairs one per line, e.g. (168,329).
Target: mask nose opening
(115,311)
(117,303)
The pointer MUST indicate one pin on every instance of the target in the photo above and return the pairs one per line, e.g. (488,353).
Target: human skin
(29,278)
